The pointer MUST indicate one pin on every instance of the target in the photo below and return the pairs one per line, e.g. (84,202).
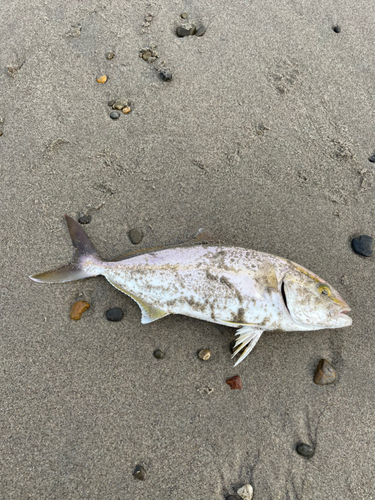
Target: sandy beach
(263,137)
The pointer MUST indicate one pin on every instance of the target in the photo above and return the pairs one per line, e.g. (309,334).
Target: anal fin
(150,313)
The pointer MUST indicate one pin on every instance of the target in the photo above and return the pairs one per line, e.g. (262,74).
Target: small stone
(135,236)
(246,492)
(204,354)
(184,15)
(344,280)
(201,30)
(363,245)
(1,133)
(181,31)
(84,219)
(336,29)
(78,308)
(372,159)
(165,74)
(111,103)
(126,110)
(120,104)
(146,56)
(234,382)
(102,79)
(110,55)
(159,354)
(305,450)
(115,115)
(139,473)
(325,373)
(114,314)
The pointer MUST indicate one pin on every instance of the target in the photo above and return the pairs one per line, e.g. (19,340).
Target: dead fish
(244,289)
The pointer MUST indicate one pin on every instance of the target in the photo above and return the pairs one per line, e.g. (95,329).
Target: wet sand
(262,137)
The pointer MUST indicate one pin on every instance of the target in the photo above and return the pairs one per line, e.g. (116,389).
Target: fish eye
(324,290)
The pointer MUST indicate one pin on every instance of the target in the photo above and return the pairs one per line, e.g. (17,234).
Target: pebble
(372,159)
(184,15)
(305,450)
(234,382)
(78,308)
(111,103)
(165,74)
(114,314)
(84,219)
(181,31)
(336,29)
(204,354)
(120,104)
(135,236)
(246,492)
(126,110)
(110,55)
(1,133)
(102,79)
(139,473)
(115,115)
(146,56)
(201,30)
(159,354)
(363,245)
(325,373)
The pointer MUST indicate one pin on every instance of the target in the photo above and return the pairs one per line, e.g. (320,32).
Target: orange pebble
(78,308)
(102,79)
(126,110)
(234,382)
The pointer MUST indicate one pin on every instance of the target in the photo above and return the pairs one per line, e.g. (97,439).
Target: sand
(262,137)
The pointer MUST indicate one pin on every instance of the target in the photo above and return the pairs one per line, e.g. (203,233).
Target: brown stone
(78,308)
(325,373)
(204,354)
(126,110)
(234,382)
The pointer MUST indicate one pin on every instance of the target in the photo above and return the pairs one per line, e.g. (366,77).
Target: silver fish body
(246,289)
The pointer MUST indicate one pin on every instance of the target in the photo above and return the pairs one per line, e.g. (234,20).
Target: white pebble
(246,492)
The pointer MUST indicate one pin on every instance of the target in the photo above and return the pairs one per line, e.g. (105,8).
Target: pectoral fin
(247,336)
(150,313)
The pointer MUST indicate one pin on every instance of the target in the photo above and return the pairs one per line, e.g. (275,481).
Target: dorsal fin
(200,238)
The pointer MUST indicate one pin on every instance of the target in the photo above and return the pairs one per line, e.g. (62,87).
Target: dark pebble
(1,133)
(159,354)
(336,29)
(110,55)
(325,373)
(111,103)
(135,236)
(363,245)
(182,31)
(139,473)
(114,314)
(84,219)
(372,159)
(115,115)
(201,30)
(305,450)
(165,74)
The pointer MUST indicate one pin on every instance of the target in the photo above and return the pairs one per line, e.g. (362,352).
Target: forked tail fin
(74,271)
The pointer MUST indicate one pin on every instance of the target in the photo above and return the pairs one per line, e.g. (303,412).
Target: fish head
(312,303)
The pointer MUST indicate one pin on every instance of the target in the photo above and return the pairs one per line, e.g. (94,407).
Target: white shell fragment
(246,492)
